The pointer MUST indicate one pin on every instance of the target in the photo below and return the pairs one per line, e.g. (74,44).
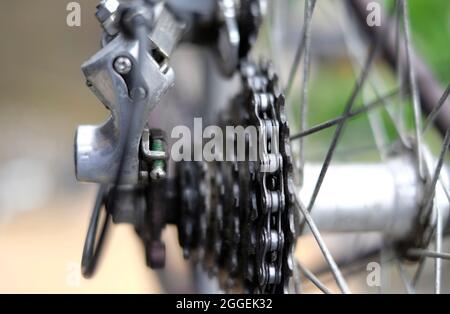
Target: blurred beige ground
(40,252)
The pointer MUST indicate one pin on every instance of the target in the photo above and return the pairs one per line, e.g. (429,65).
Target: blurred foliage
(331,84)
(430,24)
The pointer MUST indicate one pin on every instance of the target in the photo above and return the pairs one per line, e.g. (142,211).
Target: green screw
(158,171)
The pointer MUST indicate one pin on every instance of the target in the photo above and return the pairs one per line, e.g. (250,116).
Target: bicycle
(240,219)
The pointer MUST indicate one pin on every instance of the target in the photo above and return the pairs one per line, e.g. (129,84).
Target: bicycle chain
(237,217)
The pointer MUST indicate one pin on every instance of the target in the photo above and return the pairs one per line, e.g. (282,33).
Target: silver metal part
(384,198)
(123,65)
(97,152)
(229,37)
(107,12)
(157,174)
(167,31)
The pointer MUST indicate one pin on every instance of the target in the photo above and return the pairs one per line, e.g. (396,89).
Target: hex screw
(123,65)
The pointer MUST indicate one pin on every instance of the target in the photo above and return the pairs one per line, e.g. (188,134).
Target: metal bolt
(158,171)
(157,174)
(123,65)
(138,93)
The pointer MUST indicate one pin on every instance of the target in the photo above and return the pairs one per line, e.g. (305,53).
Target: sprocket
(246,212)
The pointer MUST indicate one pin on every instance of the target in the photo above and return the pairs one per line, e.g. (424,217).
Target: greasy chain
(235,218)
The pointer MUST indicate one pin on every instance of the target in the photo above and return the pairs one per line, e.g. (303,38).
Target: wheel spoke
(302,45)
(413,86)
(297,278)
(445,189)
(272,37)
(406,283)
(311,277)
(326,253)
(341,124)
(379,102)
(428,203)
(353,42)
(309,9)
(438,261)
(432,116)
(400,117)
(419,271)
(355,50)
(427,253)
(431,189)
(403,43)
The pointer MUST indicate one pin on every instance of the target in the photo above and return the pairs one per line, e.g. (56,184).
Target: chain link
(245,219)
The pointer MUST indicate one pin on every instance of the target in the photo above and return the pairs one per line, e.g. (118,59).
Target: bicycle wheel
(390,98)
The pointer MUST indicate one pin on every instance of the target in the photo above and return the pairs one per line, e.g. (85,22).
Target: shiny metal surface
(384,197)
(96,147)
(109,74)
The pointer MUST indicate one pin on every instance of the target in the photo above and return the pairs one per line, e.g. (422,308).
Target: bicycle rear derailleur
(129,75)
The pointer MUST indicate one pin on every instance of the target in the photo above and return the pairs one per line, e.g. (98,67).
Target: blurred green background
(332,77)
